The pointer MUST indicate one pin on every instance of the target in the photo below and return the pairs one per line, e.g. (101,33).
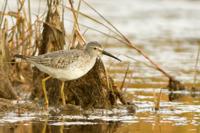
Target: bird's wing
(57,59)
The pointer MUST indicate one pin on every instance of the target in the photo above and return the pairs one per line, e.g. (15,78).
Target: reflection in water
(181,115)
(46,127)
(174,96)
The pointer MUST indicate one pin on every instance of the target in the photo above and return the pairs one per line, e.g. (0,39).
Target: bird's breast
(75,71)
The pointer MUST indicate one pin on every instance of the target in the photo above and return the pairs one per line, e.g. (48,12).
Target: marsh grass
(24,37)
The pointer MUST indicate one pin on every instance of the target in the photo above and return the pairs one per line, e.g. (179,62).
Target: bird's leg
(62,92)
(45,91)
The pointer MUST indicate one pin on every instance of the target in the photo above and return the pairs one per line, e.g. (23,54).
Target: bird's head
(96,49)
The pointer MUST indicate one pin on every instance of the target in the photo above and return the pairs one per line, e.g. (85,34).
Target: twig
(157,100)
(96,21)
(128,43)
(103,33)
(195,68)
(4,9)
(74,15)
(126,73)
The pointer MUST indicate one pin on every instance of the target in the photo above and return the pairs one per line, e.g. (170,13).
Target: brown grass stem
(4,10)
(94,20)
(125,76)
(195,67)
(157,66)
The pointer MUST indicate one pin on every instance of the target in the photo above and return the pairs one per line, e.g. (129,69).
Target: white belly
(69,73)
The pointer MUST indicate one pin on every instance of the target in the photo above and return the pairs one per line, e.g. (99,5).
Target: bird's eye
(95,48)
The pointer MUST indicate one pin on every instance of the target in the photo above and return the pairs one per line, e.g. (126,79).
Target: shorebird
(66,65)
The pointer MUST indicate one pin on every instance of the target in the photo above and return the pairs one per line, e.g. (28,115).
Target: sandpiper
(66,65)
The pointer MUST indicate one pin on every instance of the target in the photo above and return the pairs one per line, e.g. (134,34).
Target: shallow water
(181,115)
(168,31)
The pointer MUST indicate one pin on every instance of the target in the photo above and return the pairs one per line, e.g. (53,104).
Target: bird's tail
(21,56)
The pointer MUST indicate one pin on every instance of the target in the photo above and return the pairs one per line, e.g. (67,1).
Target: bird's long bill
(108,54)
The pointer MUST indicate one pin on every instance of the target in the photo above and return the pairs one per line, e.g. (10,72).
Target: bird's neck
(91,53)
